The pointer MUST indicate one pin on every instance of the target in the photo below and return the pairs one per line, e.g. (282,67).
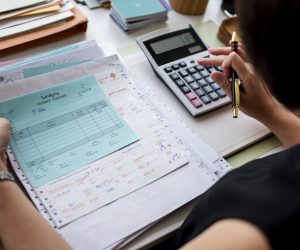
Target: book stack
(22,21)
(134,14)
(93,4)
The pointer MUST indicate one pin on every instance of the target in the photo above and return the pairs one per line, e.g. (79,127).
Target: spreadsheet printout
(60,129)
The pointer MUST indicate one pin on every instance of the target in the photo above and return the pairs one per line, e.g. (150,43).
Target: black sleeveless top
(265,192)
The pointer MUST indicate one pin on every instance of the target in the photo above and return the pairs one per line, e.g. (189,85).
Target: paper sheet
(36,24)
(58,130)
(68,56)
(34,15)
(17,12)
(9,5)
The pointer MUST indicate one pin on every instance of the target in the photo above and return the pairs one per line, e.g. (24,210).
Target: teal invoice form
(60,129)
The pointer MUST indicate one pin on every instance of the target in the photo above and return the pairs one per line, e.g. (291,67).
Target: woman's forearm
(21,225)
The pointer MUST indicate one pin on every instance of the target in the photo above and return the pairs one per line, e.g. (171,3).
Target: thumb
(223,81)
(4,133)
(4,138)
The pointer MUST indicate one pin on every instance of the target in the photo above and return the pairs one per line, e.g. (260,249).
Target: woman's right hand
(255,98)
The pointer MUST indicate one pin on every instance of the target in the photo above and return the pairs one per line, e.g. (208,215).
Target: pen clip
(235,108)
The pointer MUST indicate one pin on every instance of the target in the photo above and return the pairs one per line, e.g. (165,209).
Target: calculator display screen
(175,45)
(172,43)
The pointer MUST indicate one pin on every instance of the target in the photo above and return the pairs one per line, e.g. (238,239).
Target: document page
(60,129)
(129,169)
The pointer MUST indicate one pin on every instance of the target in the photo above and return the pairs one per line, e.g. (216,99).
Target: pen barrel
(233,89)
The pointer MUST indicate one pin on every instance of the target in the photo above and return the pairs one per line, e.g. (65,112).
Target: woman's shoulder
(264,192)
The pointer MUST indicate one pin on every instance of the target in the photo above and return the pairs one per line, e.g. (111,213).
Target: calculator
(172,55)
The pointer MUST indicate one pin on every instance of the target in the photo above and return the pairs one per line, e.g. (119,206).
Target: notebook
(134,10)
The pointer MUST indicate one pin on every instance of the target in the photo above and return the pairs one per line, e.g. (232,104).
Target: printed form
(58,130)
(81,190)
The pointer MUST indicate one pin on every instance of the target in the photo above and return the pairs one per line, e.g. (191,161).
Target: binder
(45,35)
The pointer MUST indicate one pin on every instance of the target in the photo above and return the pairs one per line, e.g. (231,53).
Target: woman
(257,206)
(253,207)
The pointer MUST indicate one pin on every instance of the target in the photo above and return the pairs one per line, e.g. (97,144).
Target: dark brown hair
(269,30)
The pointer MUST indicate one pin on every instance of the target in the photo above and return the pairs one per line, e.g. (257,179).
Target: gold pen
(235,89)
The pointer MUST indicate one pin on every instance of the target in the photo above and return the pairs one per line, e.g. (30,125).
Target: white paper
(39,23)
(115,221)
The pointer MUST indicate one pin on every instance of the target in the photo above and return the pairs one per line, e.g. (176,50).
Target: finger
(211,61)
(227,51)
(219,51)
(234,61)
(4,133)
(221,79)
(4,138)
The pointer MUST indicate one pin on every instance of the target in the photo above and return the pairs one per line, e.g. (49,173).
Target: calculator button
(200,92)
(168,69)
(218,68)
(179,83)
(205,99)
(192,70)
(174,76)
(192,61)
(191,96)
(182,64)
(189,79)
(185,89)
(215,86)
(183,73)
(211,69)
(204,73)
(208,89)
(175,66)
(196,103)
(202,82)
(221,93)
(194,86)
(209,80)
(199,67)
(196,76)
(213,96)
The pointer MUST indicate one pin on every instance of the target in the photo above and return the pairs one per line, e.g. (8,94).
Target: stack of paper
(104,151)
(19,16)
(133,14)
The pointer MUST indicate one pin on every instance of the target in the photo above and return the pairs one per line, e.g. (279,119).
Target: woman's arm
(21,225)
(230,234)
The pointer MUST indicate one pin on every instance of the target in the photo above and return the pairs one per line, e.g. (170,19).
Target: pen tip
(233,38)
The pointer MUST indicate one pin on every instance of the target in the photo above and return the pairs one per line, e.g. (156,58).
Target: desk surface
(102,28)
